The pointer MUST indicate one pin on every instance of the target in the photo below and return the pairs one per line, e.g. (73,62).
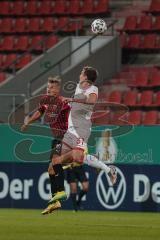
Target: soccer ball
(98,26)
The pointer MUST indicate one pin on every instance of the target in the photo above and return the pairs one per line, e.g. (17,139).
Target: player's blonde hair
(55,79)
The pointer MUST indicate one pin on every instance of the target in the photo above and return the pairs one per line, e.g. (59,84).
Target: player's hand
(24,127)
(67,100)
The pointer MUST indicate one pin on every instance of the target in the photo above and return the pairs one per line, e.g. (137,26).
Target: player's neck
(52,96)
(85,85)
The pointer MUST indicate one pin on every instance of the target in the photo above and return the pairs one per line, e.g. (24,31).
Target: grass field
(29,224)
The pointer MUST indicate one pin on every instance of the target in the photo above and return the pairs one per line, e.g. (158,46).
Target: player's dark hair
(56,79)
(91,73)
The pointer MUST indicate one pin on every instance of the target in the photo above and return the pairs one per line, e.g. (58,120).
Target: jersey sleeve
(66,106)
(41,106)
(91,90)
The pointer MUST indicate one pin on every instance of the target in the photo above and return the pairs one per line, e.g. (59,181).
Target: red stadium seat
(36,43)
(141,79)
(118,118)
(102,6)
(135,117)
(157,47)
(6,25)
(157,100)
(59,7)
(23,61)
(149,41)
(20,25)
(155,6)
(130,23)
(115,96)
(45,8)
(62,24)
(34,25)
(74,7)
(31,8)
(17,8)
(155,79)
(100,117)
(2,77)
(4,7)
(87,7)
(130,98)
(7,44)
(51,41)
(48,25)
(22,43)
(146,98)
(145,23)
(10,58)
(75,25)
(134,41)
(1,60)
(150,118)
(156,24)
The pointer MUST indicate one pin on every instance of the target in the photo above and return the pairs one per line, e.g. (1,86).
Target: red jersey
(56,114)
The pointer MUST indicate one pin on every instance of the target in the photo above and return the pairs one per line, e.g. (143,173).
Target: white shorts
(71,141)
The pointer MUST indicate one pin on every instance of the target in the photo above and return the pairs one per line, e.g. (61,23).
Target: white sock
(93,161)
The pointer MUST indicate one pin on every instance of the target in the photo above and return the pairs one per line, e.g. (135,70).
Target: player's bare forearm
(30,120)
(84,101)
(34,117)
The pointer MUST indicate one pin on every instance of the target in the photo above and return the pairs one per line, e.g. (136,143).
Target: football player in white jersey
(79,130)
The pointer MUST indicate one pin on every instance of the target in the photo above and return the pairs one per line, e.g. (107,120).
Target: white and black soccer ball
(98,26)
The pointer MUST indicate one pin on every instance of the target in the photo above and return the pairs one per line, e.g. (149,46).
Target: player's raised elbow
(92,99)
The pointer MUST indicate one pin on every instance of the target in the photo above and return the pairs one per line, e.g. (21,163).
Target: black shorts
(76,174)
(56,146)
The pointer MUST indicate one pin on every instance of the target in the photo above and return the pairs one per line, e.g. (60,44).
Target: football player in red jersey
(56,112)
(55,108)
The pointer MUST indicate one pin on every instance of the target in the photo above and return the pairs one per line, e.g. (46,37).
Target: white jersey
(80,114)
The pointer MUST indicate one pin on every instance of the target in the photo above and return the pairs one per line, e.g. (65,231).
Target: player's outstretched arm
(29,120)
(90,100)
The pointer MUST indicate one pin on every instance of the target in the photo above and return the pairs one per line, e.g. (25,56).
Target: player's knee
(78,155)
(73,187)
(85,186)
(56,160)
(50,170)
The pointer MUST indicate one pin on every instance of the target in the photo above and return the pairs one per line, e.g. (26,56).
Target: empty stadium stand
(27,29)
(25,25)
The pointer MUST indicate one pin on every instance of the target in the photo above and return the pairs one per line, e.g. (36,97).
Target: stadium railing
(59,63)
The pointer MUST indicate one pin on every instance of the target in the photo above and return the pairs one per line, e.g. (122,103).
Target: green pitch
(66,225)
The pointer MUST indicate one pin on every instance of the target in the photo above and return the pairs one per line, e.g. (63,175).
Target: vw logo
(108,195)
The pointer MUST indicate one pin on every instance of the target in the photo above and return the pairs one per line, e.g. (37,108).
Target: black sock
(81,194)
(53,184)
(59,177)
(74,202)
